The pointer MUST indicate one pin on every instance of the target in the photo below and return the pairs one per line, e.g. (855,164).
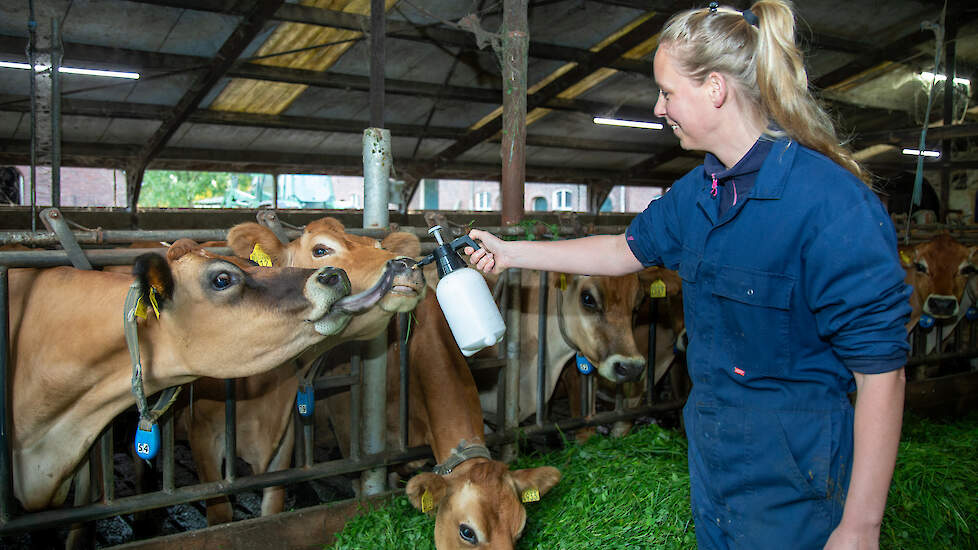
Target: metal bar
(328,382)
(56,54)
(230,433)
(650,360)
(511,372)
(308,434)
(6,482)
(55,223)
(937,357)
(542,347)
(166,426)
(402,345)
(51,258)
(483,364)
(269,219)
(378,27)
(356,399)
(950,33)
(105,459)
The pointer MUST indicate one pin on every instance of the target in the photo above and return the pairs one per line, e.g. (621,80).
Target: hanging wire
(938,29)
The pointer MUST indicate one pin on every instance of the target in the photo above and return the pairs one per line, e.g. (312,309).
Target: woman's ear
(718,89)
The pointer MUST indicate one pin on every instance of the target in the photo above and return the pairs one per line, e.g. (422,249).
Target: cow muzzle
(941,306)
(619,369)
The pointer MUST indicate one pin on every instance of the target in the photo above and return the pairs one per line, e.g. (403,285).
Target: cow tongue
(358,303)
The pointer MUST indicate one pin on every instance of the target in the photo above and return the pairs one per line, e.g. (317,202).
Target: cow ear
(652,274)
(542,479)
(426,491)
(403,244)
(154,273)
(243,237)
(334,224)
(906,256)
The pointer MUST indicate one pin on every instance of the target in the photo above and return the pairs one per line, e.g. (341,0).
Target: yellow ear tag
(657,289)
(563,282)
(530,495)
(260,257)
(152,300)
(427,502)
(140,310)
(904,257)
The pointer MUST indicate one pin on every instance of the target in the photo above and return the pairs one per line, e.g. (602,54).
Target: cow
(70,364)
(587,315)
(478,502)
(939,271)
(264,428)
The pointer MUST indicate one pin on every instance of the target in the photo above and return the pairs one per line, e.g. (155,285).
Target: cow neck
(460,454)
(147,415)
(560,324)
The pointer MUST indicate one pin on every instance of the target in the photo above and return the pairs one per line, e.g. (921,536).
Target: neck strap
(460,454)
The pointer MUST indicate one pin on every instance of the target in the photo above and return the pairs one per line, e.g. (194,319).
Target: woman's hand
(490,258)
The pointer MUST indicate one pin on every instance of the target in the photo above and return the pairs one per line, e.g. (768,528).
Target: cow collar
(147,415)
(566,337)
(460,454)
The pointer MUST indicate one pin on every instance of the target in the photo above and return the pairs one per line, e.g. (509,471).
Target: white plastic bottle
(464,297)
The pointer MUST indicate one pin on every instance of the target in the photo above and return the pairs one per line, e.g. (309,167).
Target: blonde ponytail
(766,66)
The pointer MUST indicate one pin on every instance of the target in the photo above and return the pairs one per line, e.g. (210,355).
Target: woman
(792,289)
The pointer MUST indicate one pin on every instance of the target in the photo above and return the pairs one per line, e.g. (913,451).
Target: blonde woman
(793,291)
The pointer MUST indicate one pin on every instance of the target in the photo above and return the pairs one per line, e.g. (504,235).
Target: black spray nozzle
(445,256)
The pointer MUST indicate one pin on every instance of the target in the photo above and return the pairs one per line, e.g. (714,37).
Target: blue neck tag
(147,442)
(926,322)
(971,314)
(583,365)
(305,399)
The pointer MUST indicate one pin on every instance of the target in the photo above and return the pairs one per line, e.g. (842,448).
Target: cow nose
(402,265)
(332,277)
(627,370)
(942,307)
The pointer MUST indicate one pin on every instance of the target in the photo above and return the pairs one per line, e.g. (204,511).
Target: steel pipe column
(376,184)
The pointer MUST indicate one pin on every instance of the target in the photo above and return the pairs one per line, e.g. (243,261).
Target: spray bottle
(464,296)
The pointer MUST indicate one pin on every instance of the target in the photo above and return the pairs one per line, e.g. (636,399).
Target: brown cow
(71,370)
(478,502)
(586,314)
(264,428)
(939,271)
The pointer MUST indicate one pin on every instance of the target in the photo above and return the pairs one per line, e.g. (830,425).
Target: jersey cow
(264,427)
(587,315)
(478,502)
(71,370)
(939,271)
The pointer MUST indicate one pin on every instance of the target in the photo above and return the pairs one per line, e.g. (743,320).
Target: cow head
(479,504)
(596,315)
(939,271)
(212,307)
(367,262)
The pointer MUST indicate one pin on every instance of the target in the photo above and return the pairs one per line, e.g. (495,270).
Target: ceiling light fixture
(918,153)
(72,70)
(926,75)
(628,123)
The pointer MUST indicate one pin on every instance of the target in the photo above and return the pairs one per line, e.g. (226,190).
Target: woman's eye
(321,251)
(588,301)
(467,534)
(222,280)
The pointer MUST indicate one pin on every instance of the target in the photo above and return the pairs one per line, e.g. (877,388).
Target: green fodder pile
(633,492)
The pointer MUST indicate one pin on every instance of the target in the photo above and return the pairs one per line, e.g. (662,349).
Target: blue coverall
(785,293)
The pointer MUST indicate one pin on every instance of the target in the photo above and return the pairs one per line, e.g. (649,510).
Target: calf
(478,502)
(70,365)
(264,428)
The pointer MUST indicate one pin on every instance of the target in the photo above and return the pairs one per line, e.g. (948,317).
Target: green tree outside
(182,189)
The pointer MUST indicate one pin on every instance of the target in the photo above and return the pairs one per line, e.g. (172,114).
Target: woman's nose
(659,109)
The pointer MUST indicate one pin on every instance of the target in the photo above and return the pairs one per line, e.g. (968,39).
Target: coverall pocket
(756,319)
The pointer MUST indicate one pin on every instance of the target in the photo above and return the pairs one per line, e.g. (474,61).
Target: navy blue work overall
(788,291)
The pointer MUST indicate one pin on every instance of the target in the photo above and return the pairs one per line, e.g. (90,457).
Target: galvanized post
(515,46)
(402,345)
(56,53)
(230,435)
(166,425)
(542,347)
(376,189)
(650,360)
(105,459)
(6,482)
(512,368)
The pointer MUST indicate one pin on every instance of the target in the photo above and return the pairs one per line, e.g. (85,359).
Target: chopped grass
(633,492)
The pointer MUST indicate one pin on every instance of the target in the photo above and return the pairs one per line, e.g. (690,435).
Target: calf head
(479,504)
(939,271)
(596,315)
(213,309)
(367,262)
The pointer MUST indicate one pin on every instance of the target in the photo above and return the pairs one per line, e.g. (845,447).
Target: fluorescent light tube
(916,152)
(926,75)
(72,70)
(628,123)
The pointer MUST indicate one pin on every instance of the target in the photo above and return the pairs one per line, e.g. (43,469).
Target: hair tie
(713,7)
(751,17)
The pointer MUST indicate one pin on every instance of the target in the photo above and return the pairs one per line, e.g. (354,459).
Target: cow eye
(588,301)
(920,267)
(969,270)
(319,251)
(222,280)
(467,534)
